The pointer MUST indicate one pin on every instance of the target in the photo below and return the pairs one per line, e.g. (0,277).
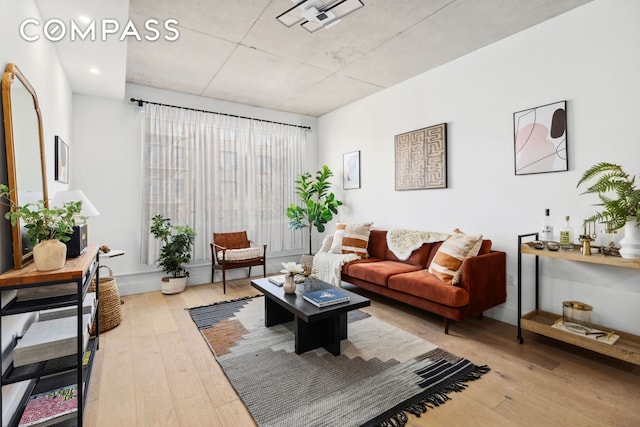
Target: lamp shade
(63,197)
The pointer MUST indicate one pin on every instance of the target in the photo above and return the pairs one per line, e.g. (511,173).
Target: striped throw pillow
(447,263)
(351,238)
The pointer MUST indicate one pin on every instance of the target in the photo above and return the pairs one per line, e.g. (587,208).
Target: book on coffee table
(279,280)
(325,297)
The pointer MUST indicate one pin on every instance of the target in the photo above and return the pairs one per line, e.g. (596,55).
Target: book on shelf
(325,297)
(49,291)
(88,307)
(50,407)
(50,339)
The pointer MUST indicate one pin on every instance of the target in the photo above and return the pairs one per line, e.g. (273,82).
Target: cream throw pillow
(351,238)
(447,264)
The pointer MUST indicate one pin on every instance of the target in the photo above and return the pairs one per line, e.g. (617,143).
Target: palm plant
(617,191)
(318,204)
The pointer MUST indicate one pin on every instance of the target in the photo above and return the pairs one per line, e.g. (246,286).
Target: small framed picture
(351,170)
(61,161)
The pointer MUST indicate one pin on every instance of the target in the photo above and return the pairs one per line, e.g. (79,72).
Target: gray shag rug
(382,375)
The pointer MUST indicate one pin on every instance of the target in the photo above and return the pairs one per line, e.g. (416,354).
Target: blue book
(325,297)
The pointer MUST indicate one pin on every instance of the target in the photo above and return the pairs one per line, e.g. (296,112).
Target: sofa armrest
(485,278)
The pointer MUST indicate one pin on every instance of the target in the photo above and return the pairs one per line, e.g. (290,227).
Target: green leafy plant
(318,204)
(617,191)
(41,222)
(177,242)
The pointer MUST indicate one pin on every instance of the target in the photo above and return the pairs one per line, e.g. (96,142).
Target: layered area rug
(383,373)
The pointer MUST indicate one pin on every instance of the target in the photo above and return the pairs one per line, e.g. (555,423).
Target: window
(218,173)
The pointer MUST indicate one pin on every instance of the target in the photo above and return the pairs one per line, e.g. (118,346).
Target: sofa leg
(480,316)
(446,326)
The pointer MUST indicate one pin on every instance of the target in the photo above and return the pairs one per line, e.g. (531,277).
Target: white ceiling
(236,50)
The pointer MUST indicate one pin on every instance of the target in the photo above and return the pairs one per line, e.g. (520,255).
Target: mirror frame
(20,259)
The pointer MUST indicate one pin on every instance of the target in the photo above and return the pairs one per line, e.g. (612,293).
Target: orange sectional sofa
(482,284)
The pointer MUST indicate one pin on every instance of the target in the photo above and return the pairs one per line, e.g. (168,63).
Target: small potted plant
(177,243)
(620,199)
(47,228)
(318,204)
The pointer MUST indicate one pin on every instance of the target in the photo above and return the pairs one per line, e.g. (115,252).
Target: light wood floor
(156,370)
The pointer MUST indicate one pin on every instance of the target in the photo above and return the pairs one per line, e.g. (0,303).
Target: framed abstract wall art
(61,169)
(421,158)
(351,170)
(540,139)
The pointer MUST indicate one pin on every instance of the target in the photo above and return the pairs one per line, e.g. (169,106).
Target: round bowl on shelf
(538,244)
(553,246)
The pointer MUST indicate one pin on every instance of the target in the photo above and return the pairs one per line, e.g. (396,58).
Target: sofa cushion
(451,253)
(425,285)
(235,255)
(485,248)
(379,272)
(418,256)
(351,238)
(346,267)
(377,247)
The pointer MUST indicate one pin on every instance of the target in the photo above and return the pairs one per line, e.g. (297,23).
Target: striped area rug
(382,375)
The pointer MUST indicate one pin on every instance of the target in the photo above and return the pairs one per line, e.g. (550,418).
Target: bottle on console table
(546,232)
(566,235)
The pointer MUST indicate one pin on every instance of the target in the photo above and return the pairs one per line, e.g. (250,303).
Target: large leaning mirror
(25,152)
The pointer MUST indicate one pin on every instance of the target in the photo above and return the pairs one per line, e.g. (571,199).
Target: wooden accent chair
(235,250)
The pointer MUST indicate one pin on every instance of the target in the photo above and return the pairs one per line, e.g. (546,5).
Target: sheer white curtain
(218,173)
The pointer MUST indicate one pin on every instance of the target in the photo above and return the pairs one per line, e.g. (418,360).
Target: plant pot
(49,255)
(630,244)
(173,285)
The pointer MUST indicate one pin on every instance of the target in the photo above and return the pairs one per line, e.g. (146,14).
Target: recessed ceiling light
(94,70)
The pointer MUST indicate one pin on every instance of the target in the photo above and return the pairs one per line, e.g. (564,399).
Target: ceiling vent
(313,15)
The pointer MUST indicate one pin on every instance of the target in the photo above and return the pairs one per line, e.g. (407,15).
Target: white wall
(38,61)
(106,165)
(589,57)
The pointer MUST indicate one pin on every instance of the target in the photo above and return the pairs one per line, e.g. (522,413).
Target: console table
(60,371)
(627,348)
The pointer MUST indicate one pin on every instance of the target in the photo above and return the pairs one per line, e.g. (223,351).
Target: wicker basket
(109,309)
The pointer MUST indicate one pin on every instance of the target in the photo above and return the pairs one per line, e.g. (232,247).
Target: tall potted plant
(318,205)
(177,243)
(47,228)
(620,199)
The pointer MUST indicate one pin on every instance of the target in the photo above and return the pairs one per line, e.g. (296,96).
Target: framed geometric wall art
(351,170)
(421,158)
(540,139)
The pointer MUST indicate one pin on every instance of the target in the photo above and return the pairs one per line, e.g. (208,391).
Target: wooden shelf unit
(61,371)
(627,348)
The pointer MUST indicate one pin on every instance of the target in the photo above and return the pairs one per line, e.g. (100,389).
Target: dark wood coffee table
(314,327)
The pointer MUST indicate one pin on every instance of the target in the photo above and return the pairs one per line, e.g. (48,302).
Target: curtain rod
(142,101)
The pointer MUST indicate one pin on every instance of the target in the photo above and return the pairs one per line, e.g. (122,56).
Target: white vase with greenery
(620,199)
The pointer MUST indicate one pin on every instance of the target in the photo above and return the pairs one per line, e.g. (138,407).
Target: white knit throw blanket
(403,242)
(328,266)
